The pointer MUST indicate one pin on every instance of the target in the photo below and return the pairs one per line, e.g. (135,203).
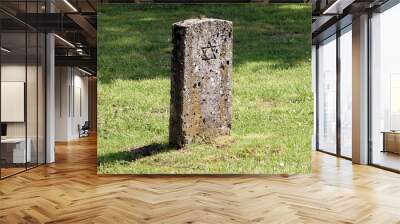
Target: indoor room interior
(22,100)
(355,58)
(48,83)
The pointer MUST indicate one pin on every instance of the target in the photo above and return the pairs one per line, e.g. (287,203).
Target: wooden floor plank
(70,191)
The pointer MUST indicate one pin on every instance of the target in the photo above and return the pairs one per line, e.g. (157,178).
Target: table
(13,150)
(391,141)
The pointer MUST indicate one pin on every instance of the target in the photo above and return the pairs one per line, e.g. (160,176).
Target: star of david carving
(209,52)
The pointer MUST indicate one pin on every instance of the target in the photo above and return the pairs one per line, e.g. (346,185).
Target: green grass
(272,98)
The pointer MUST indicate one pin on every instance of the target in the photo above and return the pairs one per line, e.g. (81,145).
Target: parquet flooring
(69,191)
(8,171)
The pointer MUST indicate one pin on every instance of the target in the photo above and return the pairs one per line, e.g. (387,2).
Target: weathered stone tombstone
(201,84)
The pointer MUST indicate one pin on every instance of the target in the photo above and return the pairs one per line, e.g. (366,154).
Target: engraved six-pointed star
(209,52)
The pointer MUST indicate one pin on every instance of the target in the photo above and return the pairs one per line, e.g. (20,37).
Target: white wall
(16,73)
(62,82)
(80,85)
(70,83)
(34,125)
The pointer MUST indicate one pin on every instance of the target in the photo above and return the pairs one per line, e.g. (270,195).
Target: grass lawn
(272,98)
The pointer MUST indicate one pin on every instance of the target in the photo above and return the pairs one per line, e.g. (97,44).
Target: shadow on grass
(134,40)
(134,154)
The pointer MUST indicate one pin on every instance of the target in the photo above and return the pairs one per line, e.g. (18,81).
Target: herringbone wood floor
(69,191)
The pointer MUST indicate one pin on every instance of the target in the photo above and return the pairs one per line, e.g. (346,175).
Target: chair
(84,130)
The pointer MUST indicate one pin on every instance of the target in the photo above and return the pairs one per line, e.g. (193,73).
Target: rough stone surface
(201,85)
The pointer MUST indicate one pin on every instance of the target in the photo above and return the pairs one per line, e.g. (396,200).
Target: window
(385,89)
(22,78)
(327,95)
(346,75)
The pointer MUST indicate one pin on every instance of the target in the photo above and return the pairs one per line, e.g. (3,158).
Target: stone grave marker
(201,80)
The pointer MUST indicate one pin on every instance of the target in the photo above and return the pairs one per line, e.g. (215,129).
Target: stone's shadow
(149,150)
(134,154)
